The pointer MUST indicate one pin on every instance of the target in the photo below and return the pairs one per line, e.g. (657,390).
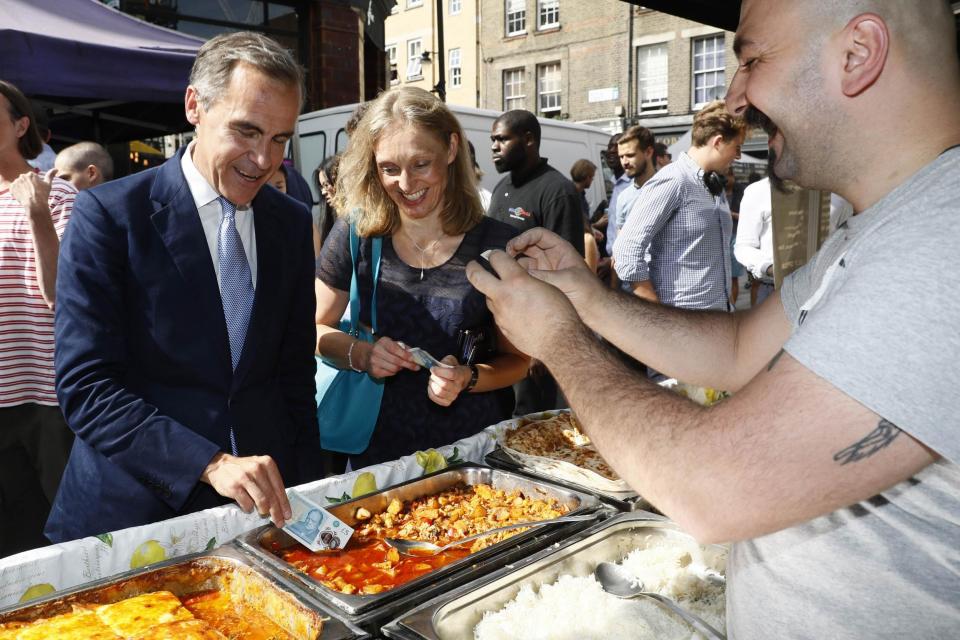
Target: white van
(321,134)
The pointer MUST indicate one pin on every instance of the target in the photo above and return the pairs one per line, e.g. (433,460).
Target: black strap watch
(474,376)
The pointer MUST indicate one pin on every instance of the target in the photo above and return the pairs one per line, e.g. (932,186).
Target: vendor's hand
(253,481)
(386,357)
(445,384)
(32,191)
(552,259)
(532,314)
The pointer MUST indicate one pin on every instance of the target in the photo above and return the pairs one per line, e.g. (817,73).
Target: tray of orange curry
(213,595)
(440,508)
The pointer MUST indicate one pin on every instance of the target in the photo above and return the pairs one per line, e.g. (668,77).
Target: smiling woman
(407,178)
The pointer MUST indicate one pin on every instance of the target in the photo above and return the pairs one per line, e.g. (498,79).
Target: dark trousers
(35,443)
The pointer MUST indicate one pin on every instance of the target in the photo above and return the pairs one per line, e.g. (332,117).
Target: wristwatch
(474,376)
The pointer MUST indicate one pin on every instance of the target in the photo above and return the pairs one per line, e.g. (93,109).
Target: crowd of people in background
(410,177)
(159,340)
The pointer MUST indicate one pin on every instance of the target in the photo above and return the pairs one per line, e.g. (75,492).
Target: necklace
(422,251)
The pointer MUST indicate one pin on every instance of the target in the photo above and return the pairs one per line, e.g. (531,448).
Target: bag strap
(354,285)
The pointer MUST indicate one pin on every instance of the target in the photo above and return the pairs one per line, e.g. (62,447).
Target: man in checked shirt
(674,247)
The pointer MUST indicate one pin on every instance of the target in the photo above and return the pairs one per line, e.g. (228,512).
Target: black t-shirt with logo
(542,198)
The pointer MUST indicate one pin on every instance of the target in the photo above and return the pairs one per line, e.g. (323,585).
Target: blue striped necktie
(236,285)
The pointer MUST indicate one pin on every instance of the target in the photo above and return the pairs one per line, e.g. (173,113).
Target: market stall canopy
(103,74)
(718,13)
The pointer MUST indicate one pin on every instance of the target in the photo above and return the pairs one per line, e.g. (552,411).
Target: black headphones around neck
(715,182)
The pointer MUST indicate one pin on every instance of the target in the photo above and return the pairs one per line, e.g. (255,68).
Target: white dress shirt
(205,197)
(754,246)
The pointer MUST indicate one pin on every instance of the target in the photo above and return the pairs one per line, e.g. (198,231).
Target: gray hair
(218,56)
(83,154)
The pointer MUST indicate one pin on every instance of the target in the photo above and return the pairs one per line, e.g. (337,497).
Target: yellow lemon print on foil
(147,553)
(365,483)
(37,591)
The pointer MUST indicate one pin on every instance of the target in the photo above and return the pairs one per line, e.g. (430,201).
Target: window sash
(709,65)
(456,6)
(548,15)
(456,73)
(549,86)
(652,77)
(414,49)
(513,89)
(516,14)
(392,62)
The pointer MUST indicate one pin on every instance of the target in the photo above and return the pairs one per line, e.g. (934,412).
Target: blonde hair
(358,188)
(713,120)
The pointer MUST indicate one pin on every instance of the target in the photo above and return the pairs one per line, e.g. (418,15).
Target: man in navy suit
(185,315)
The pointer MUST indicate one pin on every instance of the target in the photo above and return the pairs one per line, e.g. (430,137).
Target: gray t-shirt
(876,314)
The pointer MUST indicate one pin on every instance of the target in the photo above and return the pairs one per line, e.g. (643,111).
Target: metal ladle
(614,582)
(423,548)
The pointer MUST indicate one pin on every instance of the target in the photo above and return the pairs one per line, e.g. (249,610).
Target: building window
(516,17)
(414,3)
(513,90)
(456,72)
(456,6)
(708,70)
(548,14)
(652,77)
(548,89)
(414,49)
(392,61)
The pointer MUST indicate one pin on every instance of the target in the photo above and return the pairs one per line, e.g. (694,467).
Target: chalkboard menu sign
(801,222)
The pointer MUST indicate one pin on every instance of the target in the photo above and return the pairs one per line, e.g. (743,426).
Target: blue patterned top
(426,313)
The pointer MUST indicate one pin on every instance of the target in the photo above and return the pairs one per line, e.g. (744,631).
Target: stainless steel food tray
(284,604)
(453,616)
(267,542)
(622,500)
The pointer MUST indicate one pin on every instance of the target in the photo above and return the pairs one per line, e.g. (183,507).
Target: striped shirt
(26,323)
(678,236)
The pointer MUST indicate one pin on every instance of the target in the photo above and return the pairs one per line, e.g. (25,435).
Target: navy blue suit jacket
(143,365)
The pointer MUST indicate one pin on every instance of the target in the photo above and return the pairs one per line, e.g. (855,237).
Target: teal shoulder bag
(348,402)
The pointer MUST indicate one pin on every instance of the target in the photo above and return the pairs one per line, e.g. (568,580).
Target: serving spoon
(616,583)
(423,548)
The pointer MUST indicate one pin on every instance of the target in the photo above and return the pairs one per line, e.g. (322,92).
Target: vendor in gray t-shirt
(833,468)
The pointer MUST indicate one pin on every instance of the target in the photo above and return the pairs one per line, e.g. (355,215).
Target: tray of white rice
(553,595)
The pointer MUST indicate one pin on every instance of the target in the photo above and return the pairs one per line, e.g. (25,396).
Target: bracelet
(350,356)
(474,377)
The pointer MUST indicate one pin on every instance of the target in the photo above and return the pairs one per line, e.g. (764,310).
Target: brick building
(606,63)
(413,47)
(339,42)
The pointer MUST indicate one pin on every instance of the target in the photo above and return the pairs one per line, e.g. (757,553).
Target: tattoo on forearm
(773,362)
(885,433)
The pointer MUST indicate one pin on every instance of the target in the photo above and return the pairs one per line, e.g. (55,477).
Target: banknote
(424,359)
(315,527)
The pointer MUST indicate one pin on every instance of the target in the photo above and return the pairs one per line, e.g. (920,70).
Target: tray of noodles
(552,444)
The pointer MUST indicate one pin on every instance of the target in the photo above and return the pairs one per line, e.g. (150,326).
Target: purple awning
(83,49)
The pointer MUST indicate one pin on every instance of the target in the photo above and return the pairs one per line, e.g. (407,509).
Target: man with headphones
(674,247)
